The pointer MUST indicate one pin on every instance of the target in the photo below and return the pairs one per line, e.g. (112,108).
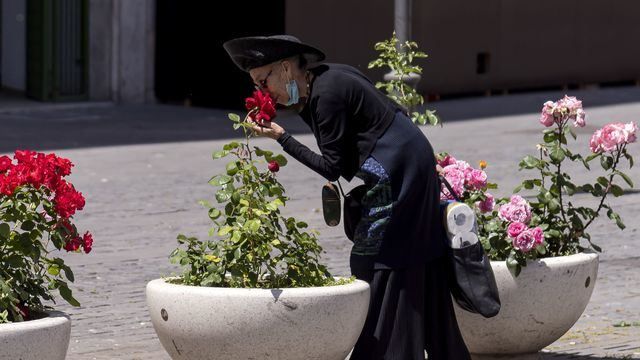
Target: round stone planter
(320,323)
(538,307)
(46,338)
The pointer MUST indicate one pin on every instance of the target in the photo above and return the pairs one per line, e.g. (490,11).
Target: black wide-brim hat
(256,51)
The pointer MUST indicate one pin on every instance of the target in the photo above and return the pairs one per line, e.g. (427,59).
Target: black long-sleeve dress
(398,246)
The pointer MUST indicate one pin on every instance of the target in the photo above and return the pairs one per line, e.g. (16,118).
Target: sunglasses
(262,84)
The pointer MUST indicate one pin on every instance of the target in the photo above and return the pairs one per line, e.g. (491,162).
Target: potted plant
(544,260)
(37,205)
(258,290)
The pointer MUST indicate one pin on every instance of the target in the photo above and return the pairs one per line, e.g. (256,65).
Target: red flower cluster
(75,242)
(47,171)
(261,108)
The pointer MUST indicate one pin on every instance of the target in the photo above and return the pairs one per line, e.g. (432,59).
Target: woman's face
(272,79)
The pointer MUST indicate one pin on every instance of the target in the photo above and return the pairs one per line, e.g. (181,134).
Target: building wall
(121,43)
(14,33)
(525,44)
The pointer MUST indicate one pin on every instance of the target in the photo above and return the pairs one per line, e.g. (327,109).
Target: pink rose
(538,235)
(477,179)
(579,120)
(594,143)
(518,200)
(611,135)
(570,105)
(630,130)
(518,209)
(448,160)
(488,204)
(525,241)
(546,116)
(515,229)
(455,177)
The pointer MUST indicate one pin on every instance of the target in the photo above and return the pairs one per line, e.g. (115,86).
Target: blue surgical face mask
(292,91)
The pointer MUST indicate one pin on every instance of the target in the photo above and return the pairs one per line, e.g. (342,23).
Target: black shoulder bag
(352,206)
(473,284)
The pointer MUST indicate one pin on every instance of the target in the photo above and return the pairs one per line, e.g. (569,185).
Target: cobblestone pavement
(143,169)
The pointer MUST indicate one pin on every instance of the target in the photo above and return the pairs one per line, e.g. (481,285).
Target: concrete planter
(538,307)
(46,338)
(320,323)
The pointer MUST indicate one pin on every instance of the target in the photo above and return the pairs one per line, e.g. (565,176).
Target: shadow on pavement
(93,126)
(564,356)
(531,102)
(62,127)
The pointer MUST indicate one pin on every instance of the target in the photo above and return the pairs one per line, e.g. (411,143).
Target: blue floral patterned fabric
(377,206)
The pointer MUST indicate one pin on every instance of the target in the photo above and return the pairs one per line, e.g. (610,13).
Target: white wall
(14,53)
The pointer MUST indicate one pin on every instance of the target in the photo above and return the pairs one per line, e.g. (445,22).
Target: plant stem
(559,173)
(606,192)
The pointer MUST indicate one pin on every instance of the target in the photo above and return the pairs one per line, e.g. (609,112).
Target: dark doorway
(191,64)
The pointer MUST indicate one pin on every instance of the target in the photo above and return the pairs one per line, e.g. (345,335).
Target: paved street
(143,169)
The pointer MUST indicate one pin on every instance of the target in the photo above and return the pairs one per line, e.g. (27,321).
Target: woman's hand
(273,131)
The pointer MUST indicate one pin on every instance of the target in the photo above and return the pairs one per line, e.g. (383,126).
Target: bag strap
(448,186)
(340,187)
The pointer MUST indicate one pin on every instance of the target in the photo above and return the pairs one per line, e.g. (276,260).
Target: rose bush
(37,205)
(257,246)
(514,229)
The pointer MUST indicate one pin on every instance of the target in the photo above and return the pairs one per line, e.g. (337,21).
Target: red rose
(5,163)
(87,242)
(73,244)
(67,200)
(273,166)
(261,108)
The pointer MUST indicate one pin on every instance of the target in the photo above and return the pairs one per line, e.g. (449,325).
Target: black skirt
(410,311)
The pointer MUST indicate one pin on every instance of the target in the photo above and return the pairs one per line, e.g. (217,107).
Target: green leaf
(253,225)
(232,168)
(234,117)
(265,153)
(280,159)
(68,273)
(616,190)
(603,181)
(592,156)
(5,230)
(606,162)
(28,225)
(230,146)
(54,270)
(225,230)
(214,213)
(220,154)
(550,137)
(624,176)
(220,180)
(65,292)
(557,155)
(530,162)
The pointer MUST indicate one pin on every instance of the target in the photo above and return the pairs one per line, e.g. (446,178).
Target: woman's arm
(331,119)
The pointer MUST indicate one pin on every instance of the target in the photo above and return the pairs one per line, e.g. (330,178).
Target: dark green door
(57,49)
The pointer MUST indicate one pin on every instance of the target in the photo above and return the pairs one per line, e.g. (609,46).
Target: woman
(398,246)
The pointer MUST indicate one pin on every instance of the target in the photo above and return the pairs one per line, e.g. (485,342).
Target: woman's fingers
(272,131)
